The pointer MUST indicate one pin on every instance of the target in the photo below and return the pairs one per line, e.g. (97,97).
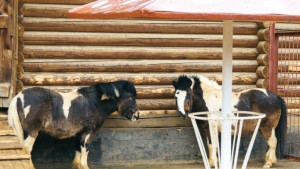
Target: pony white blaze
(180,96)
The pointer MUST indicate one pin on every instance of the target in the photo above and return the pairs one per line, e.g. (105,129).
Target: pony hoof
(267,166)
(211,164)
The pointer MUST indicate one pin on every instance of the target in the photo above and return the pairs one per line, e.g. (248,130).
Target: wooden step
(13,155)
(9,132)
(3,115)
(16,164)
(10,145)
(4,125)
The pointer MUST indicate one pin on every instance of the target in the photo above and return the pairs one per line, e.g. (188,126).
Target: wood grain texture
(134,39)
(137,78)
(134,26)
(122,52)
(118,65)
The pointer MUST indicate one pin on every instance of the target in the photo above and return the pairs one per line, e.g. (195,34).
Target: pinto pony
(78,114)
(199,94)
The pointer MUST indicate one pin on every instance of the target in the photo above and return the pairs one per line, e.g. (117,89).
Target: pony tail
(281,130)
(14,120)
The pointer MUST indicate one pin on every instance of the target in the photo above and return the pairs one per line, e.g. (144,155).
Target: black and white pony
(78,114)
(199,94)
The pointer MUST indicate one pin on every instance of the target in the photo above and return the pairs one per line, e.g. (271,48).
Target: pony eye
(177,92)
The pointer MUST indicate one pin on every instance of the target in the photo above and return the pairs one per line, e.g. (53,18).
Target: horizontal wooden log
(20,58)
(145,91)
(263,25)
(20,15)
(4,89)
(134,26)
(134,39)
(19,86)
(20,72)
(78,2)
(3,21)
(156,104)
(20,44)
(262,71)
(20,31)
(46,10)
(148,123)
(263,34)
(146,114)
(289,90)
(108,52)
(262,83)
(32,79)
(263,47)
(263,59)
(106,65)
(287,26)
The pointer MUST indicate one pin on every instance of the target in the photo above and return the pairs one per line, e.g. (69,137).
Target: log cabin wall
(62,54)
(8,50)
(263,48)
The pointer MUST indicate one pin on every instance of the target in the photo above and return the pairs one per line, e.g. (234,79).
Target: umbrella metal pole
(226,95)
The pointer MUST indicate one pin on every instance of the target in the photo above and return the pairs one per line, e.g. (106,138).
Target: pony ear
(196,82)
(175,84)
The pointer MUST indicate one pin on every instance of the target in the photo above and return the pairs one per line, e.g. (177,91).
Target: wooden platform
(11,154)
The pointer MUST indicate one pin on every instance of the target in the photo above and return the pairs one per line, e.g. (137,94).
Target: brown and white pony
(78,114)
(199,94)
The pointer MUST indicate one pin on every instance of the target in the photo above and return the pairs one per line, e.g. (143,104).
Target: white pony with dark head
(199,94)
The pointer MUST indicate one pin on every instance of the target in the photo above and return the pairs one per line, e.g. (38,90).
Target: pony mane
(108,90)
(207,82)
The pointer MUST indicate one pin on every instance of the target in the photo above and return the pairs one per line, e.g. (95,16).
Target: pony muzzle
(135,116)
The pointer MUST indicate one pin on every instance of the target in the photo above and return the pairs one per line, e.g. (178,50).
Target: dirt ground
(282,164)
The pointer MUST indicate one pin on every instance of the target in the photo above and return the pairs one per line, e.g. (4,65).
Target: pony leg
(84,156)
(28,143)
(80,160)
(76,162)
(212,155)
(270,157)
(271,153)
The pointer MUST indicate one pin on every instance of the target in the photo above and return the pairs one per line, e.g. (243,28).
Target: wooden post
(273,59)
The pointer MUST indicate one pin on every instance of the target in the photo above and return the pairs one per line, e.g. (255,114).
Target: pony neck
(199,104)
(108,106)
